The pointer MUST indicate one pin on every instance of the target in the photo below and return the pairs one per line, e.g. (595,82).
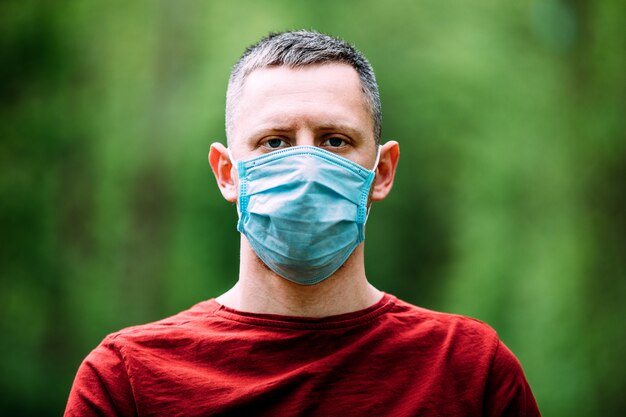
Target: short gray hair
(298,49)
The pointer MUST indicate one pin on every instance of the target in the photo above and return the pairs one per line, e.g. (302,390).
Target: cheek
(367,158)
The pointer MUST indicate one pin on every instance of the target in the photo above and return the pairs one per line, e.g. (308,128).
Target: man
(302,332)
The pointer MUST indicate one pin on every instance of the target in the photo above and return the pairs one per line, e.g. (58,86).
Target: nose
(305,137)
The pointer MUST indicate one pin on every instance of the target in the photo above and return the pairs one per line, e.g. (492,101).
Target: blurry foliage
(509,204)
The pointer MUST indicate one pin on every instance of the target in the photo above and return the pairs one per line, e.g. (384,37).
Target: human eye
(275,143)
(335,142)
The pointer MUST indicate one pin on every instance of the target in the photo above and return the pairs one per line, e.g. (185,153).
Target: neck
(259,290)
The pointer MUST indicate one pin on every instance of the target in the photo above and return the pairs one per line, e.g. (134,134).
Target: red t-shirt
(391,359)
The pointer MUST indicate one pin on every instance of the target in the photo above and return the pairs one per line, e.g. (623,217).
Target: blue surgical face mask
(303,210)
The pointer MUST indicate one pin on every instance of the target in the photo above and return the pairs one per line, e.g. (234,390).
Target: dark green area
(509,204)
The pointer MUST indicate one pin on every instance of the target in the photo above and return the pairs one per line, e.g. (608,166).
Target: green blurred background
(509,204)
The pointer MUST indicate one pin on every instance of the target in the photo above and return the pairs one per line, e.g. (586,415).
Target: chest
(312,375)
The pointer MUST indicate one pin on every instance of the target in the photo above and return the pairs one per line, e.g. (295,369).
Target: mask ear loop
(234,163)
(230,156)
(374,171)
(377,158)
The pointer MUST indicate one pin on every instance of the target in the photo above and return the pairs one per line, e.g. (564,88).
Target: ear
(386,170)
(224,171)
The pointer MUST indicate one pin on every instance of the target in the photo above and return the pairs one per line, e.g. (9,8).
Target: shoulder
(443,323)
(103,383)
(458,337)
(470,350)
(175,330)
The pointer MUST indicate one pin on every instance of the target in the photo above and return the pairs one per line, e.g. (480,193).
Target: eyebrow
(339,127)
(336,127)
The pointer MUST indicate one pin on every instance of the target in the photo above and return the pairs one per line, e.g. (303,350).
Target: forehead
(325,93)
(340,76)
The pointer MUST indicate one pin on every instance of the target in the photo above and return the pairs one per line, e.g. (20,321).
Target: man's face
(317,105)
